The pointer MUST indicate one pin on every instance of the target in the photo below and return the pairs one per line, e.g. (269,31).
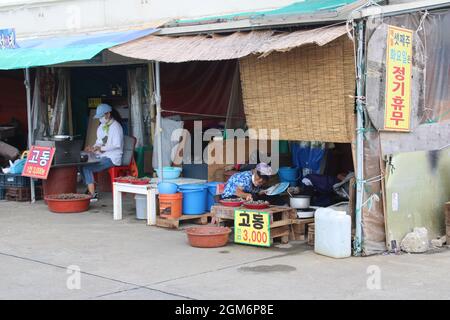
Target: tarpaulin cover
(50,51)
(308,156)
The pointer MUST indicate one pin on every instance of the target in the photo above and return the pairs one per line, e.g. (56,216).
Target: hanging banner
(38,162)
(398,79)
(7,39)
(252,228)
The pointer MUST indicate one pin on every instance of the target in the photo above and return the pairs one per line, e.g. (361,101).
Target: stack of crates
(17,188)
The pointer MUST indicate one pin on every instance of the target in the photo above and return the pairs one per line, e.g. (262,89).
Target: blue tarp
(50,51)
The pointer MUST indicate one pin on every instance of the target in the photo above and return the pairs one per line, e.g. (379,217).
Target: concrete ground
(129,260)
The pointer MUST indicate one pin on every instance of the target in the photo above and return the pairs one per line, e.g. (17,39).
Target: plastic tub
(194,198)
(170,205)
(212,192)
(169,172)
(141,206)
(208,236)
(290,175)
(68,203)
(167,188)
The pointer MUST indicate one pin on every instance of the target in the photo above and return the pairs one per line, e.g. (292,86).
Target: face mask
(103,120)
(253,180)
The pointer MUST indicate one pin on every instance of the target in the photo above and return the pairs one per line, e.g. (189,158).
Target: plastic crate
(22,193)
(16,180)
(2,180)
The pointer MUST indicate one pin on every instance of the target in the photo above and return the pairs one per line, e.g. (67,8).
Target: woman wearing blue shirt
(247,184)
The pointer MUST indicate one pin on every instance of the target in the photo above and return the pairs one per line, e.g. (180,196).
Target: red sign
(38,162)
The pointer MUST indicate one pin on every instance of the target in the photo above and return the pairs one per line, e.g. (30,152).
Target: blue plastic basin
(169,172)
(167,188)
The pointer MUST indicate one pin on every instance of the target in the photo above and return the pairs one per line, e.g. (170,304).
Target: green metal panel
(417,186)
(302,7)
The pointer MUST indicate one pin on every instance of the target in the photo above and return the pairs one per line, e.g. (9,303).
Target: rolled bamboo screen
(306,93)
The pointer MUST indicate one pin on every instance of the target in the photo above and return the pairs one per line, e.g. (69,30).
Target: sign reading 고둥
(398,79)
(252,227)
(38,162)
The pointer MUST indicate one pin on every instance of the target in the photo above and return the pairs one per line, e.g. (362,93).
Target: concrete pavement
(129,260)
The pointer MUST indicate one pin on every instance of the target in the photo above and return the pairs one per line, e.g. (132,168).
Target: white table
(150,190)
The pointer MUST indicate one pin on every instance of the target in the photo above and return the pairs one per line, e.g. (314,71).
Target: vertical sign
(7,39)
(252,227)
(38,162)
(398,79)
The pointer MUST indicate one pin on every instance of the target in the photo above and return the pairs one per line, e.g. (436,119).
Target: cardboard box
(242,149)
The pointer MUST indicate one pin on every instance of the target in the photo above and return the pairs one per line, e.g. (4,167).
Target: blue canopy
(50,51)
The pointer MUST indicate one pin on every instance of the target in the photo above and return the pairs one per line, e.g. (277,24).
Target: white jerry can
(333,233)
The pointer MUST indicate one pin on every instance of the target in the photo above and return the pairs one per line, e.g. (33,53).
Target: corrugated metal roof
(223,47)
(299,7)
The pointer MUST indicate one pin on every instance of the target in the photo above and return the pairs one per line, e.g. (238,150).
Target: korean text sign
(252,228)
(398,79)
(38,162)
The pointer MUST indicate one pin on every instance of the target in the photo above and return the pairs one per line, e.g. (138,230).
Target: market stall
(48,93)
(219,89)
(259,90)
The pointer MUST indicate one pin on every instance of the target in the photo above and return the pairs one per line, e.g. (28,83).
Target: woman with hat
(247,184)
(108,147)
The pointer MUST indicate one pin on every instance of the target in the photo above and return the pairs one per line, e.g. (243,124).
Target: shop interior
(209,92)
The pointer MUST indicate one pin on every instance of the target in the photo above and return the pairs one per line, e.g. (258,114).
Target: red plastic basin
(57,205)
(208,237)
(231,203)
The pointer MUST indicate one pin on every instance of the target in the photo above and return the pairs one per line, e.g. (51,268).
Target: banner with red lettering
(38,162)
(398,79)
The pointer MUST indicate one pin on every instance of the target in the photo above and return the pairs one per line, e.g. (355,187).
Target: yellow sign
(252,227)
(398,79)
(94,102)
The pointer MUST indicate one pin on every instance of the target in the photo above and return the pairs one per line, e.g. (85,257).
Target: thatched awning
(224,47)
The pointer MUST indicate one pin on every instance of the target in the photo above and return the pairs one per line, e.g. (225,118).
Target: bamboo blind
(306,93)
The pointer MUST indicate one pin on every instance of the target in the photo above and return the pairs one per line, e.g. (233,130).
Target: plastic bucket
(141,206)
(194,198)
(212,192)
(288,174)
(170,205)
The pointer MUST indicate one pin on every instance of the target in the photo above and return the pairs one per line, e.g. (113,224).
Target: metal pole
(30,128)
(158,119)
(359,135)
